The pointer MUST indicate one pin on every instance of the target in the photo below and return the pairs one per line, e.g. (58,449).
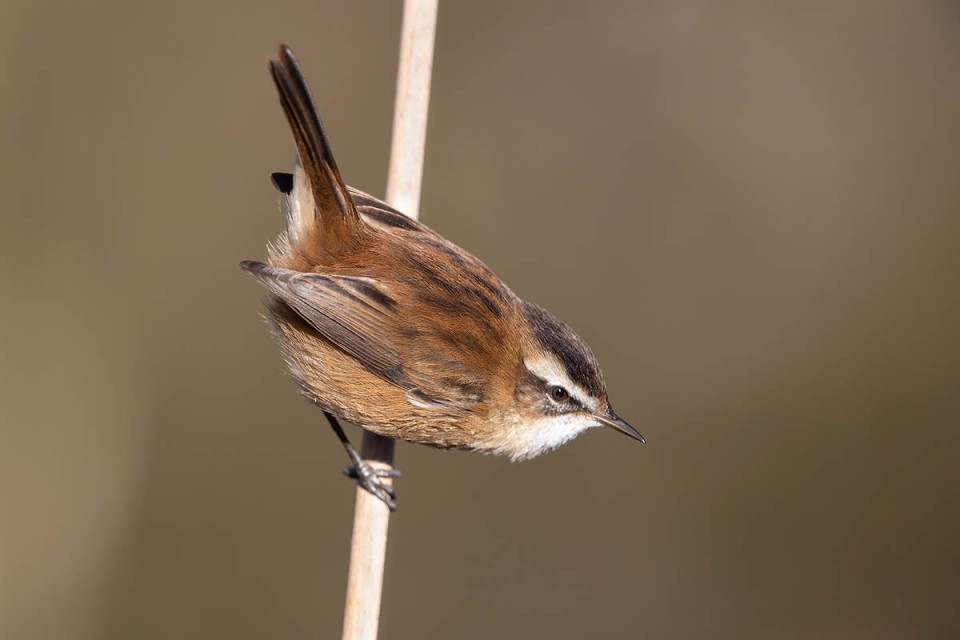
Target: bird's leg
(366,475)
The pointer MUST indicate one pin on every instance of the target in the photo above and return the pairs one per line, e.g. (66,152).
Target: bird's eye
(558,394)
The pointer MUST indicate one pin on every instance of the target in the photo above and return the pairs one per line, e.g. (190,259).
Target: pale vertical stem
(371,517)
(410,108)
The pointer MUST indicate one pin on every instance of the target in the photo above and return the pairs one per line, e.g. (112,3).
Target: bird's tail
(319,208)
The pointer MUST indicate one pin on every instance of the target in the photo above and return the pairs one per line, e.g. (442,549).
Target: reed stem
(371,517)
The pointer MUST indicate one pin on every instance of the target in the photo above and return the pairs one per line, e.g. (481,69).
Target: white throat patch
(524,440)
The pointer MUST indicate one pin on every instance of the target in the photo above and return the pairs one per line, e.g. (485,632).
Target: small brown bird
(385,323)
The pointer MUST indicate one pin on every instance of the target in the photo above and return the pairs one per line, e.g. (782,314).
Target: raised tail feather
(334,215)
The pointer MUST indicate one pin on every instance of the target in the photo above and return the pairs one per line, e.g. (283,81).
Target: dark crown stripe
(560,340)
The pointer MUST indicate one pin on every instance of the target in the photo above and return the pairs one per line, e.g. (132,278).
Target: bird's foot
(371,479)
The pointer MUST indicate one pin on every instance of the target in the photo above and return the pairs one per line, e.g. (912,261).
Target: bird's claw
(370,478)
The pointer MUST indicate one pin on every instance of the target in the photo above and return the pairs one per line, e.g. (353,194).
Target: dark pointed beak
(613,420)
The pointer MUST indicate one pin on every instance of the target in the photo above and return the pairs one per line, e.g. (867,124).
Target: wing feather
(352,313)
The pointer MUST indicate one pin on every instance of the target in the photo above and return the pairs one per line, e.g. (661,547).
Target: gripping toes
(370,478)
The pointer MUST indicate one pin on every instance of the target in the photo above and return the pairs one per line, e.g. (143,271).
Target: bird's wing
(352,313)
(378,213)
(356,315)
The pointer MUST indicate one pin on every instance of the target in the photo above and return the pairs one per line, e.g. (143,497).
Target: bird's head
(559,390)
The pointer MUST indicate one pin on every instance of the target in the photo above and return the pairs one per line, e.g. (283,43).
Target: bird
(385,323)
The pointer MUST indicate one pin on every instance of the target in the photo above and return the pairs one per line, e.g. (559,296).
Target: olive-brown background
(749,209)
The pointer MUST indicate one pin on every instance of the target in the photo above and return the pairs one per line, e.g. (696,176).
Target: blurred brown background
(749,209)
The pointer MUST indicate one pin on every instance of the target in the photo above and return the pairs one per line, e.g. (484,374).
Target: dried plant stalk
(371,516)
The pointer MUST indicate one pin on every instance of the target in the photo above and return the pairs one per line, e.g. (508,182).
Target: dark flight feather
(379,212)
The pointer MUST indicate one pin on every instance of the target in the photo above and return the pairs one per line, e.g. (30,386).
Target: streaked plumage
(385,323)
